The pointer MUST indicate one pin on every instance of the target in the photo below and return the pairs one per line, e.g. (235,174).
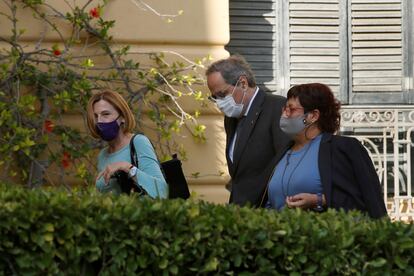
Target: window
(363,49)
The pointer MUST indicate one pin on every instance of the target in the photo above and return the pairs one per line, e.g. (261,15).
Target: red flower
(57,52)
(95,12)
(48,125)
(65,160)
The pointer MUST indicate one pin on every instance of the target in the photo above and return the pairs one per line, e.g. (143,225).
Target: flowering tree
(39,85)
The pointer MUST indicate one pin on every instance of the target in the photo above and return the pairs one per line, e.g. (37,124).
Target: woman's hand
(112,168)
(302,200)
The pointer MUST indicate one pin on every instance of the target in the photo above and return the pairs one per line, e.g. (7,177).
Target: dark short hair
(231,69)
(318,96)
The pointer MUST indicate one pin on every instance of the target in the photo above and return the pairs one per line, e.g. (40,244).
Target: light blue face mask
(293,126)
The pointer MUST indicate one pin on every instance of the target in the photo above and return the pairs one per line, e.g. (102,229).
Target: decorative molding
(387,133)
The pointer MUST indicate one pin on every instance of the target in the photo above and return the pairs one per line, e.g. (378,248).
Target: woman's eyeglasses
(289,110)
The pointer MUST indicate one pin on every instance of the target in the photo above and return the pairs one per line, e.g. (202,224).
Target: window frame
(346,95)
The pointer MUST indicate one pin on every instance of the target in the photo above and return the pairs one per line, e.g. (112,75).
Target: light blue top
(149,174)
(297,172)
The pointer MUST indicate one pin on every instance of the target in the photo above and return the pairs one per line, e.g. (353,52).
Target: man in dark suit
(252,127)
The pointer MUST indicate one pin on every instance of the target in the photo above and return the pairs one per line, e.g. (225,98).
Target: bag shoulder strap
(133,152)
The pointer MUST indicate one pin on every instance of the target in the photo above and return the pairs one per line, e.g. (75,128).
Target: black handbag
(175,178)
(172,171)
(127,184)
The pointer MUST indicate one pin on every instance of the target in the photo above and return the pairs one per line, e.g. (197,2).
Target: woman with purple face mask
(110,119)
(319,169)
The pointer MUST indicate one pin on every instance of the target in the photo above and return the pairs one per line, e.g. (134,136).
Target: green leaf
(311,269)
(379,262)
(163,264)
(49,227)
(237,260)
(400,262)
(48,237)
(303,259)
(211,265)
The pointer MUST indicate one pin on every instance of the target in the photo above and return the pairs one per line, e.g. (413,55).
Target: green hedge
(50,232)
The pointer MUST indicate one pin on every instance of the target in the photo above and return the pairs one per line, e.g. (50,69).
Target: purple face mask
(108,131)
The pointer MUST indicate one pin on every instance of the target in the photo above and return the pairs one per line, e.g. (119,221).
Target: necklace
(294,169)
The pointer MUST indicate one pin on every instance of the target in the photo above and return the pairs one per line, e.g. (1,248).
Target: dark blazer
(348,177)
(258,142)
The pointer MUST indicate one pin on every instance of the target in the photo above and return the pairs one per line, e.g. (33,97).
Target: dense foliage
(43,81)
(50,232)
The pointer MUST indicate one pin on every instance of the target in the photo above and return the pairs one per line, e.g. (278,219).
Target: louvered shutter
(314,42)
(252,34)
(363,49)
(376,48)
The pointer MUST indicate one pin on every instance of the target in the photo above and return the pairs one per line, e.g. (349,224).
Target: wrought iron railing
(388,133)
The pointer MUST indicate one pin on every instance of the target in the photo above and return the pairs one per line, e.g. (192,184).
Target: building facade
(363,50)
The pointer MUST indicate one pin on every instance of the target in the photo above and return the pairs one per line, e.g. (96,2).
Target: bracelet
(319,203)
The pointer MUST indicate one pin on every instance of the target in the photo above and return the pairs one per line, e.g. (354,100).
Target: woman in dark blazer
(320,170)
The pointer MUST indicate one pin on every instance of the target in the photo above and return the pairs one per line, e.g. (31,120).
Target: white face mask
(228,105)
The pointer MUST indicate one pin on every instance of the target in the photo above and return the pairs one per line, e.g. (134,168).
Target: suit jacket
(348,176)
(258,142)
(349,180)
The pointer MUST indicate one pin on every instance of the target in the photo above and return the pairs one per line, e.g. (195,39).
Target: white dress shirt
(232,144)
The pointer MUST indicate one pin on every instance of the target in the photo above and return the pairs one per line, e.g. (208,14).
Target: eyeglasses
(289,110)
(222,94)
(219,95)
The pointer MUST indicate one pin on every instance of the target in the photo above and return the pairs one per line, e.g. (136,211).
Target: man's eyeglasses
(222,94)
(219,95)
(289,110)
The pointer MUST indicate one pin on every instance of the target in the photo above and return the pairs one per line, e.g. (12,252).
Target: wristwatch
(319,203)
(132,171)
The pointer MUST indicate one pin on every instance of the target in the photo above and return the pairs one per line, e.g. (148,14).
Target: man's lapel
(230,125)
(249,124)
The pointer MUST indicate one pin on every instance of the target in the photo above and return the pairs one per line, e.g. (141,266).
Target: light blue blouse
(149,174)
(297,172)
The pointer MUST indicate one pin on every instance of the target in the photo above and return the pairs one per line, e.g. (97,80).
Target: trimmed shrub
(52,232)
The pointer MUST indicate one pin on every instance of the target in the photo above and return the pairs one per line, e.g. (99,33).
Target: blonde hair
(118,102)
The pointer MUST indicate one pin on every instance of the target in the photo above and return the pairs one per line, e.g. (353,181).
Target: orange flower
(65,160)
(48,125)
(95,12)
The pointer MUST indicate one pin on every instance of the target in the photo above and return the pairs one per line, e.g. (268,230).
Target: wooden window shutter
(314,42)
(376,50)
(252,35)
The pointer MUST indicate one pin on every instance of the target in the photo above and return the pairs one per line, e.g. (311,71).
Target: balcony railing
(387,132)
